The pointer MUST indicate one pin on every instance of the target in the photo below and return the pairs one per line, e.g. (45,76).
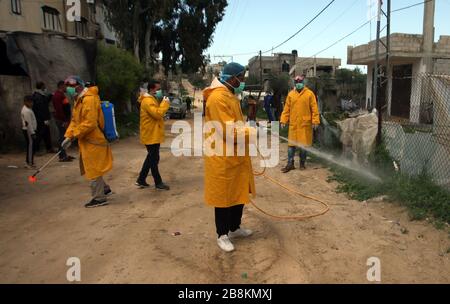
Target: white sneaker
(225,243)
(240,233)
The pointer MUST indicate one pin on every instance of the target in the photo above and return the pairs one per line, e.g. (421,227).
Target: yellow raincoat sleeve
(89,119)
(223,114)
(286,111)
(314,110)
(155,111)
(70,129)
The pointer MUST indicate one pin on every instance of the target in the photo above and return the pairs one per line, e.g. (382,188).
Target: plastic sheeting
(50,58)
(358,136)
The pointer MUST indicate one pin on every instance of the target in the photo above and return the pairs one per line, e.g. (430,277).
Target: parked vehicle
(177,109)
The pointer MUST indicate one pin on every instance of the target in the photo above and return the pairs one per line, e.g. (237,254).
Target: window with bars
(51,19)
(16,7)
(81,27)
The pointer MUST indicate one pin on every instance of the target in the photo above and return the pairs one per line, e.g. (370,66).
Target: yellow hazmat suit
(301,112)
(86,125)
(152,120)
(228,179)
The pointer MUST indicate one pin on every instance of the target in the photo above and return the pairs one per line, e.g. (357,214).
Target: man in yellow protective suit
(152,133)
(87,127)
(302,115)
(228,179)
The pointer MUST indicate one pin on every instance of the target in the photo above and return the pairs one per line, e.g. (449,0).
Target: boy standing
(29,127)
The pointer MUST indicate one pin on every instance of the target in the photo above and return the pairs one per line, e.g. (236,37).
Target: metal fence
(420,143)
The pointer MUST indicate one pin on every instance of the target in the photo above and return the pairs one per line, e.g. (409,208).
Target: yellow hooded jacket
(228,179)
(86,125)
(301,112)
(152,119)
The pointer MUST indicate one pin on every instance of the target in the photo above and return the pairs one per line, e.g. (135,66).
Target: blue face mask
(159,94)
(299,86)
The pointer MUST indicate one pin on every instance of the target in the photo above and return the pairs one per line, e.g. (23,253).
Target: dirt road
(130,241)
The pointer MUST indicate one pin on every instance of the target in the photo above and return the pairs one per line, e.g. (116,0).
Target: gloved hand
(166,99)
(283,126)
(66,143)
(315,127)
(47,122)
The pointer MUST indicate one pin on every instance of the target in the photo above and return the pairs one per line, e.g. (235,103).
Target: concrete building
(410,56)
(293,65)
(46,16)
(105,32)
(315,67)
(271,65)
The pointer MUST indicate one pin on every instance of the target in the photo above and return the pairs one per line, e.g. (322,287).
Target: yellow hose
(290,218)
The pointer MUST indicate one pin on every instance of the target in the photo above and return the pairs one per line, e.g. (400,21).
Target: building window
(81,27)
(51,19)
(267,71)
(16,7)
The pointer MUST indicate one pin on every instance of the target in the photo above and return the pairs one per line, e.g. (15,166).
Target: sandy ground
(131,241)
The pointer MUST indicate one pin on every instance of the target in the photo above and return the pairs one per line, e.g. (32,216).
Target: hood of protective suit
(92,91)
(214,85)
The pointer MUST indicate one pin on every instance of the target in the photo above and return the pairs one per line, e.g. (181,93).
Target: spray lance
(32,178)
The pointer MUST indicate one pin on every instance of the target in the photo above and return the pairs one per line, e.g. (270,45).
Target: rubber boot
(289,167)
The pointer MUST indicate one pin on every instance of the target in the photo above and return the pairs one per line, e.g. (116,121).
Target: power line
(410,6)
(301,29)
(327,48)
(357,29)
(333,44)
(334,21)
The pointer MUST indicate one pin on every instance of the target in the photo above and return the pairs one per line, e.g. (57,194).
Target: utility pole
(376,75)
(377,57)
(260,69)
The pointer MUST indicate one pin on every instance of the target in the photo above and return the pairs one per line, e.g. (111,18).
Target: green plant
(418,194)
(118,75)
(127,124)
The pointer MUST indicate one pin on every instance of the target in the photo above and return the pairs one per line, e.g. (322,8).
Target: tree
(119,85)
(180,29)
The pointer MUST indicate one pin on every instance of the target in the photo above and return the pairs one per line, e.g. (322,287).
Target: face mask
(159,94)
(70,91)
(299,86)
(239,89)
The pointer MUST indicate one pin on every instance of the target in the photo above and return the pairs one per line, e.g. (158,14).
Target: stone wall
(12,91)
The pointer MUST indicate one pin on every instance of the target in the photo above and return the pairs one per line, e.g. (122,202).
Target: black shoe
(141,185)
(288,168)
(162,186)
(94,203)
(108,190)
(65,160)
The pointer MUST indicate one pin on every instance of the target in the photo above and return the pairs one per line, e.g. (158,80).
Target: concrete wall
(12,91)
(442,66)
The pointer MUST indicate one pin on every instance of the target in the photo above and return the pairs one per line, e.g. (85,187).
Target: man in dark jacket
(62,117)
(41,101)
